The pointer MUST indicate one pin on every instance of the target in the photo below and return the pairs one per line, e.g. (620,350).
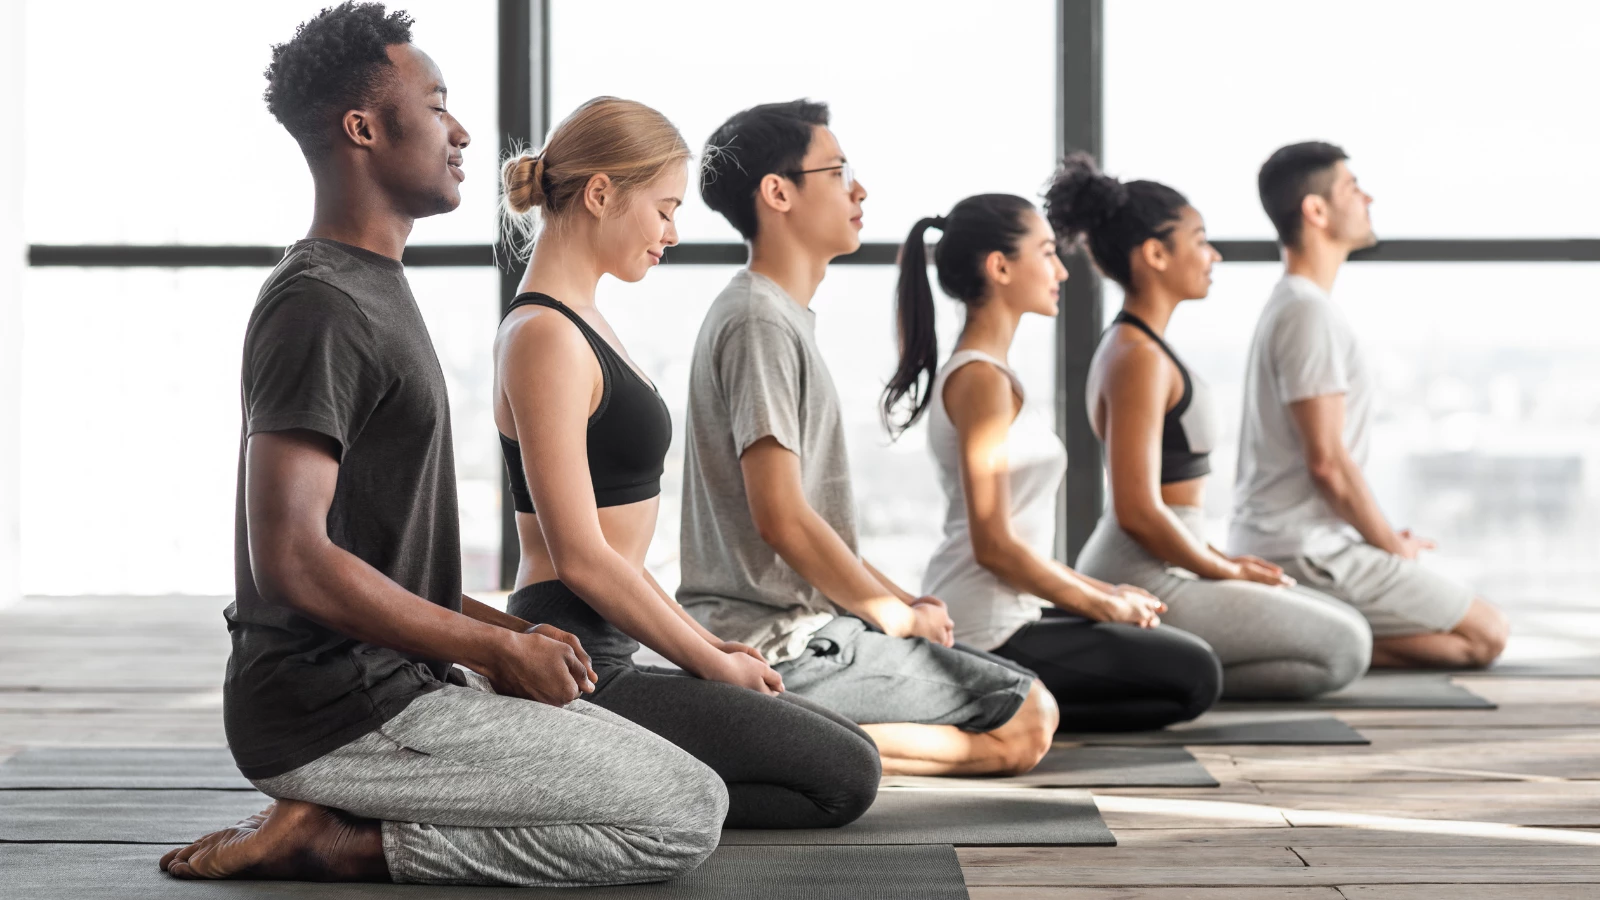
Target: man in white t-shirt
(1300,498)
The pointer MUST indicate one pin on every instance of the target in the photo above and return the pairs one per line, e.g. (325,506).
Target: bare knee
(1027,736)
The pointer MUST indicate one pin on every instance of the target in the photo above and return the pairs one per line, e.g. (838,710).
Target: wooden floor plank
(1503,856)
(1468,892)
(1156,894)
(1259,853)
(1248,876)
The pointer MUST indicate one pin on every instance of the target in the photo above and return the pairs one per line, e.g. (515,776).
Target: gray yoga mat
(1068,766)
(76,871)
(1384,690)
(1557,667)
(1259,727)
(143,817)
(161,768)
(1009,817)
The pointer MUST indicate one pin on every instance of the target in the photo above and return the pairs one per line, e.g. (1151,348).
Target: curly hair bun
(523,177)
(1080,197)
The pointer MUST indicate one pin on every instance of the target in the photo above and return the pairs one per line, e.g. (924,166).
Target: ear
(1155,255)
(775,192)
(997,268)
(1314,209)
(360,127)
(597,194)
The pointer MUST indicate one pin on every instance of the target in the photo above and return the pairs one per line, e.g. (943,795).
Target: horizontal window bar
(706,254)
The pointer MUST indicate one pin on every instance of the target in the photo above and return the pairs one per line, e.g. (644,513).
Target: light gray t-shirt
(1303,348)
(756,373)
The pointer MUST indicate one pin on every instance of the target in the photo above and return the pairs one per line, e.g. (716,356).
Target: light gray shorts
(1399,597)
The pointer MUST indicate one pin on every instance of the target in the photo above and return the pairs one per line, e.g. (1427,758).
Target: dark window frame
(523,42)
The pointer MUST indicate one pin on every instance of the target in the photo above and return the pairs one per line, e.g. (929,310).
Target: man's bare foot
(291,840)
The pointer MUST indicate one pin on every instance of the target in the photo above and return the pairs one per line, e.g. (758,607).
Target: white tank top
(986,611)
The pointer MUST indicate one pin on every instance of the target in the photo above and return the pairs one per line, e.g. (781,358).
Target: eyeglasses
(847,175)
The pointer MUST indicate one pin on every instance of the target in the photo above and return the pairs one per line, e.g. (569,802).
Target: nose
(858,190)
(458,135)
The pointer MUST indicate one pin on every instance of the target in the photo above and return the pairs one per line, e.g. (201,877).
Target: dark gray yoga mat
(1259,727)
(1555,667)
(160,768)
(77,871)
(146,817)
(1382,690)
(1068,766)
(984,818)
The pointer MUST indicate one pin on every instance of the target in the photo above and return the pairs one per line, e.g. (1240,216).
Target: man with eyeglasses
(769,553)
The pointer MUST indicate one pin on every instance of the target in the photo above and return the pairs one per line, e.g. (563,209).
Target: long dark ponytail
(975,228)
(1112,217)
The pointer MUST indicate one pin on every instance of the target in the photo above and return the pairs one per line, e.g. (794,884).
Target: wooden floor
(1447,804)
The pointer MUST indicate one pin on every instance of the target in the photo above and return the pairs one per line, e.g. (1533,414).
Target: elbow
(1326,473)
(1138,519)
(994,553)
(777,530)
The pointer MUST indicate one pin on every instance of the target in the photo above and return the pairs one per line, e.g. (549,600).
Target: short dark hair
(1113,217)
(1287,177)
(335,62)
(763,140)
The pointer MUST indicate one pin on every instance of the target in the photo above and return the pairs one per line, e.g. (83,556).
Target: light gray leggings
(476,788)
(1282,643)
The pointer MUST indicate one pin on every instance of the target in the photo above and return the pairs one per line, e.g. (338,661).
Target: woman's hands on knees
(1251,568)
(1128,604)
(743,666)
(543,664)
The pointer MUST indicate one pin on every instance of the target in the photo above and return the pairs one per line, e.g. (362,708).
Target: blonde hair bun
(523,176)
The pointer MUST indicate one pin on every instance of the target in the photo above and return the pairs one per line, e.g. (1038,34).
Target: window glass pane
(931,103)
(165,137)
(130,424)
(898,501)
(1462,119)
(1487,422)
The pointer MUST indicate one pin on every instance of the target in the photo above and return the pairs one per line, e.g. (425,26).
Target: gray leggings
(477,788)
(1281,643)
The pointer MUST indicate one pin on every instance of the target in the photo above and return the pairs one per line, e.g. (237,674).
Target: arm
(980,403)
(1138,392)
(1320,421)
(786,521)
(290,477)
(552,427)
(713,640)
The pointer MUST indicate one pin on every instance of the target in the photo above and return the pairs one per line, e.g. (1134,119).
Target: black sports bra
(1186,429)
(629,432)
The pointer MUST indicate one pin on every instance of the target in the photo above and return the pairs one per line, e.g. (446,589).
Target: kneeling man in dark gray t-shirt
(769,552)
(407,733)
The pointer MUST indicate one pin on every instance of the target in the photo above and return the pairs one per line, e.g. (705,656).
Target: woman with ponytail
(1158,425)
(585,434)
(1099,648)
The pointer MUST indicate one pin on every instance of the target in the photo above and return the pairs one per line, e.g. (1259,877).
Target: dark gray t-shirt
(336,345)
(756,373)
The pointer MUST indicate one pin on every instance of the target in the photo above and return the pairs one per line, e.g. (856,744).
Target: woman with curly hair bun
(1157,422)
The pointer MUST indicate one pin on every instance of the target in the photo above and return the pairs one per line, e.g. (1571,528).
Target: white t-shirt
(1303,348)
(987,611)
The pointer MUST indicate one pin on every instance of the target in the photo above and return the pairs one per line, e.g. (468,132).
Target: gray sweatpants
(1274,642)
(477,788)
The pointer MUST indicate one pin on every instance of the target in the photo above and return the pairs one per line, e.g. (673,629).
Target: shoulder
(540,337)
(978,392)
(295,298)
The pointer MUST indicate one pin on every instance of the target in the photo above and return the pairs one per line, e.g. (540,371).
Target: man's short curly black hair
(334,63)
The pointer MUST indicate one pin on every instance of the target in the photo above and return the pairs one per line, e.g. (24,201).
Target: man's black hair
(763,140)
(336,62)
(1288,176)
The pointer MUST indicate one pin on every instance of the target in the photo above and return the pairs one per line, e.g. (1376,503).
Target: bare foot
(291,840)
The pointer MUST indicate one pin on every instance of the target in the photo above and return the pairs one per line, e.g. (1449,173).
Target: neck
(351,212)
(791,265)
(990,328)
(1153,307)
(1316,259)
(562,267)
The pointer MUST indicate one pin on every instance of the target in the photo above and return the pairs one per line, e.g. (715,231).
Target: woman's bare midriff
(627,530)
(1184,493)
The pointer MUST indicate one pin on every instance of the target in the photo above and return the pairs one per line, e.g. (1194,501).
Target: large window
(1459,121)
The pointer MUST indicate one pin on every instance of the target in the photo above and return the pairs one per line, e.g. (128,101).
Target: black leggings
(788,763)
(1115,677)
